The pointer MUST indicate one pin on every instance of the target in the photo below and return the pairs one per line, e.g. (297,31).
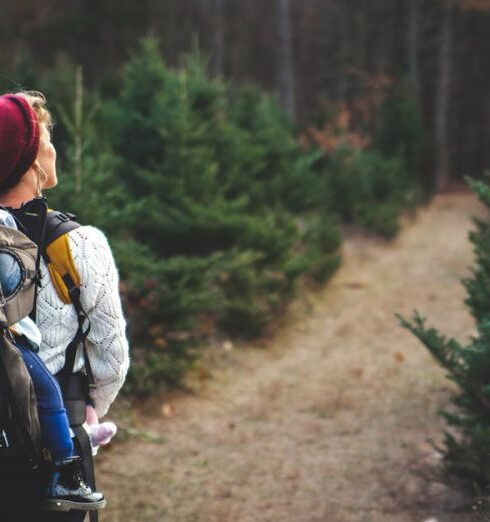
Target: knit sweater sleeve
(106,343)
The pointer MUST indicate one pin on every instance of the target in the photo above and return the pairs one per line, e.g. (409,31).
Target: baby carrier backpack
(21,456)
(75,386)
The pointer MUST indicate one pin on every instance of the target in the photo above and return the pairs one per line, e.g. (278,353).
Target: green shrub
(213,209)
(369,190)
(401,133)
(467,441)
(321,240)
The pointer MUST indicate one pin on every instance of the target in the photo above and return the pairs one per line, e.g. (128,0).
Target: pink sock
(101,434)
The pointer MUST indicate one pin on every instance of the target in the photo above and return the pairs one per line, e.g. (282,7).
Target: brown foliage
(475,5)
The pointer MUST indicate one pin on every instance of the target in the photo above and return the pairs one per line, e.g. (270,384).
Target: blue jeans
(55,427)
(10,273)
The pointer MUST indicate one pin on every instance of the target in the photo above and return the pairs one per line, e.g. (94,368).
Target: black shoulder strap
(57,224)
(80,337)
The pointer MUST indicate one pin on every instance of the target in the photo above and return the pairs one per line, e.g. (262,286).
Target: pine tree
(224,210)
(467,442)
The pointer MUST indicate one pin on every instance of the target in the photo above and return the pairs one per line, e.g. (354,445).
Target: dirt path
(331,422)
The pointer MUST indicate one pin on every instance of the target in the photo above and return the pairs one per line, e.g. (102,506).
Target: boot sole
(69,505)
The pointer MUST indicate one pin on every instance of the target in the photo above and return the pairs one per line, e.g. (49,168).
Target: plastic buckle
(63,218)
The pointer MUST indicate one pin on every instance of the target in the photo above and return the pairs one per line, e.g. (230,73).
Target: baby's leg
(52,414)
(66,489)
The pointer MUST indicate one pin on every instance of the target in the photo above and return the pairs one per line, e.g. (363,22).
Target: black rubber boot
(68,490)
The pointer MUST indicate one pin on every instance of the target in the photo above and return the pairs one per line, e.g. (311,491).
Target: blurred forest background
(222,144)
(314,53)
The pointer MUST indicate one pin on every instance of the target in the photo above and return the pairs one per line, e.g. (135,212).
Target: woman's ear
(41,177)
(41,173)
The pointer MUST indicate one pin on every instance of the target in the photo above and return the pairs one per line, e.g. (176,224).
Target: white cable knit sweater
(106,343)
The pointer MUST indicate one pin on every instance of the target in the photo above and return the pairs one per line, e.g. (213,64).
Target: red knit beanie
(19,139)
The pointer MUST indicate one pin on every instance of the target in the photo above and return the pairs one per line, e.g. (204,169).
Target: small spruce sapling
(467,442)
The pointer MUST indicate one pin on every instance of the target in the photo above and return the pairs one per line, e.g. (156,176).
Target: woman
(28,166)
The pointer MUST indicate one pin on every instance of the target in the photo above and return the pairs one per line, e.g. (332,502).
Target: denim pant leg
(10,273)
(52,414)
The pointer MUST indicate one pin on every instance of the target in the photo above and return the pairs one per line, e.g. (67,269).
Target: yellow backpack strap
(60,263)
(57,253)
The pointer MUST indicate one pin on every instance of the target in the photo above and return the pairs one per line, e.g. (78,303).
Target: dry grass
(330,423)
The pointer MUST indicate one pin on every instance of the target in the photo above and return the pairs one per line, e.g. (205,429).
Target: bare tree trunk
(285,75)
(343,52)
(218,37)
(412,48)
(78,124)
(442,99)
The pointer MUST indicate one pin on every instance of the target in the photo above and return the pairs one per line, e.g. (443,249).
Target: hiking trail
(329,420)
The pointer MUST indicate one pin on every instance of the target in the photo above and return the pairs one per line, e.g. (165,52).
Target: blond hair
(37,101)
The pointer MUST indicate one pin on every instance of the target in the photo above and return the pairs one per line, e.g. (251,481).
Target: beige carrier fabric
(20,388)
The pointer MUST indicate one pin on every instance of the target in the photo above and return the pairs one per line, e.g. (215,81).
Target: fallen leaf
(399,357)
(355,285)
(357,372)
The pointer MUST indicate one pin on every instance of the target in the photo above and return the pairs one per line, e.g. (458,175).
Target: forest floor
(328,420)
